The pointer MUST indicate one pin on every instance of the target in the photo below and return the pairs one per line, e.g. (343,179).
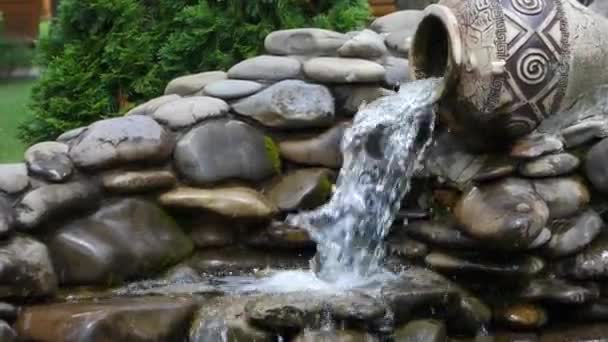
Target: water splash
(380,151)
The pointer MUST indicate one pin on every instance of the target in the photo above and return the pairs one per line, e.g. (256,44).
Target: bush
(13,54)
(103,56)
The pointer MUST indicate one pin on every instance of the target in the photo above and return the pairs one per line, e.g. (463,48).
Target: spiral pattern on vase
(532,66)
(528,7)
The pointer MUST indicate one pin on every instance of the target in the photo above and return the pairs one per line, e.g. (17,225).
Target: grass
(14,97)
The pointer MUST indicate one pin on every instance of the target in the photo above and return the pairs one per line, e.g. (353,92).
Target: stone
(303,189)
(148,108)
(8,312)
(596,167)
(367,44)
(571,235)
(508,213)
(51,201)
(122,140)
(192,84)
(599,6)
(591,263)
(350,98)
(321,150)
(397,71)
(579,332)
(290,104)
(50,161)
(232,89)
(7,217)
(398,21)
(585,131)
(222,318)
(422,330)
(133,182)
(186,112)
(304,41)
(228,201)
(281,235)
(26,269)
(522,316)
(120,319)
(542,239)
(591,312)
(406,248)
(7,334)
(343,70)
(469,316)
(550,166)
(210,230)
(495,169)
(557,291)
(93,250)
(340,335)
(400,42)
(536,145)
(267,68)
(441,233)
(564,196)
(72,134)
(522,266)
(226,149)
(13,178)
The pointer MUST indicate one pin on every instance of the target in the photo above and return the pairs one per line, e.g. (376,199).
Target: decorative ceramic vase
(508,64)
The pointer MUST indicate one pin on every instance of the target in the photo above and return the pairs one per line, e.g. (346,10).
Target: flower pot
(508,64)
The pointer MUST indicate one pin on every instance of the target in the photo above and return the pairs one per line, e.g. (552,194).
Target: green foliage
(102,56)
(13,54)
(272,151)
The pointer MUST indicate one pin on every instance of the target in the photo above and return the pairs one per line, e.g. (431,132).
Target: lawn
(13,109)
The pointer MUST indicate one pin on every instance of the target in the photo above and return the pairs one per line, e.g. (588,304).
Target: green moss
(272,151)
(319,196)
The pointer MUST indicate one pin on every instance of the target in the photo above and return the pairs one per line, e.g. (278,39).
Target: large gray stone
(397,21)
(51,201)
(232,89)
(290,104)
(72,134)
(192,84)
(591,263)
(305,41)
(571,235)
(423,330)
(50,161)
(350,98)
(123,140)
(564,196)
(225,149)
(397,71)
(7,334)
(122,240)
(367,44)
(596,166)
(301,189)
(513,267)
(186,112)
(13,178)
(267,68)
(7,217)
(129,182)
(322,150)
(343,70)
(148,108)
(25,269)
(550,166)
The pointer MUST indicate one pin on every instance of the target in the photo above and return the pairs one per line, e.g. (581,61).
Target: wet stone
(470,314)
(8,312)
(232,89)
(7,334)
(571,235)
(267,68)
(406,248)
(13,178)
(343,70)
(422,330)
(192,84)
(321,150)
(564,196)
(596,166)
(495,169)
(550,165)
(542,239)
(7,217)
(69,136)
(441,233)
(585,131)
(212,231)
(397,21)
(521,266)
(334,335)
(304,41)
(350,98)
(594,311)
(553,290)
(591,263)
(281,235)
(534,146)
(50,161)
(148,108)
(130,182)
(399,42)
(303,189)
(397,71)
(522,316)
(186,112)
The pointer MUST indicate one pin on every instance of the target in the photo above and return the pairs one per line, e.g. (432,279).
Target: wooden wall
(21,18)
(382,7)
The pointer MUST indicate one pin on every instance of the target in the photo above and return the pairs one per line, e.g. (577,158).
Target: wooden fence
(382,7)
(22,17)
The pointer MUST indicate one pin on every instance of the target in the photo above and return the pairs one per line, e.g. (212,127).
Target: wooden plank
(382,7)
(21,18)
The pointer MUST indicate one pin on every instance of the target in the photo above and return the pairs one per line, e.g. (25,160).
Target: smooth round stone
(585,131)
(550,166)
(350,98)
(338,335)
(525,266)
(232,89)
(129,182)
(596,166)
(399,42)
(397,71)
(304,41)
(591,263)
(7,334)
(290,104)
(267,68)
(8,312)
(50,161)
(72,134)
(469,315)
(191,84)
(398,21)
(188,111)
(495,169)
(281,235)
(343,70)
(7,217)
(301,189)
(320,150)
(406,248)
(508,214)
(13,178)
(213,231)
(51,201)
(573,234)
(577,332)
(367,44)
(226,149)
(564,196)
(423,330)
(595,311)
(228,201)
(123,140)
(148,108)
(541,239)
(441,233)
(534,146)
(558,291)
(522,316)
